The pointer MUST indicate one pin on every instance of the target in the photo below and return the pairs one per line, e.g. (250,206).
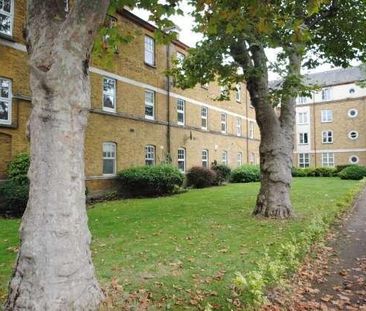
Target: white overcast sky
(187,36)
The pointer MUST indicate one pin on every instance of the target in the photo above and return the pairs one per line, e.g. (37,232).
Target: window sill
(7,37)
(109,110)
(150,65)
(149,118)
(327,143)
(326,121)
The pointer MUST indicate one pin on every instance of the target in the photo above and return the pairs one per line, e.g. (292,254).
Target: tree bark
(54,270)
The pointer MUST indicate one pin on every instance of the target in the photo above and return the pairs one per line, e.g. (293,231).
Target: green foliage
(354,172)
(340,168)
(222,172)
(245,173)
(15,190)
(300,172)
(314,172)
(150,180)
(200,177)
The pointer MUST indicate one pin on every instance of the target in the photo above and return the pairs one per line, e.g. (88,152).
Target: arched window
(149,155)
(205,158)
(109,159)
(182,159)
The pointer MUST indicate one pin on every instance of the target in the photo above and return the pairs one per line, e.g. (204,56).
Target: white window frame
(110,158)
(238,93)
(301,100)
(110,93)
(150,155)
(252,158)
(350,112)
(149,44)
(239,159)
(223,123)
(238,127)
(326,116)
(326,136)
(205,158)
(9,101)
(180,159)
(11,16)
(353,156)
(224,158)
(326,94)
(204,117)
(328,159)
(181,102)
(150,104)
(304,160)
(302,140)
(251,129)
(350,135)
(302,118)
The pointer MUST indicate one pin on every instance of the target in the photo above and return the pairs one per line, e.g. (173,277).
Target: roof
(331,77)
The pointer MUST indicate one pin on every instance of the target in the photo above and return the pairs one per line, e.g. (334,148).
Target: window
(5,101)
(326,94)
(149,155)
(149,104)
(180,111)
(304,160)
(66,5)
(224,90)
(353,135)
(239,159)
(223,123)
(328,159)
(204,116)
(149,51)
(238,93)
(352,113)
(182,159)
(327,137)
(302,100)
(6,17)
(353,159)
(109,94)
(303,138)
(205,158)
(109,159)
(252,158)
(224,158)
(238,126)
(326,116)
(302,118)
(251,129)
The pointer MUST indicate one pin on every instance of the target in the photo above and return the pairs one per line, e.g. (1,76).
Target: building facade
(137,116)
(331,125)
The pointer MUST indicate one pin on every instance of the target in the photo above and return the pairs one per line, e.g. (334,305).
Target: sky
(187,36)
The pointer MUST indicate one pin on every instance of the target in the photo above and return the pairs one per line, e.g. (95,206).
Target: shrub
(354,172)
(15,190)
(150,180)
(323,172)
(200,177)
(245,174)
(340,168)
(222,172)
(300,172)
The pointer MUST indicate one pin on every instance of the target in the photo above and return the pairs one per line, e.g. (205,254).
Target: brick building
(331,125)
(137,116)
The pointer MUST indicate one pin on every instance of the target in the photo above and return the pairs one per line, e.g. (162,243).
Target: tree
(237,36)
(54,270)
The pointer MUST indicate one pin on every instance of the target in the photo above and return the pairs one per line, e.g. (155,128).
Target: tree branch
(311,21)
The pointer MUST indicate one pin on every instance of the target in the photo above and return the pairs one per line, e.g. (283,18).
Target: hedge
(245,174)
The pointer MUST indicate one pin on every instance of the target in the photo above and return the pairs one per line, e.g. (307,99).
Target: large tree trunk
(277,136)
(54,270)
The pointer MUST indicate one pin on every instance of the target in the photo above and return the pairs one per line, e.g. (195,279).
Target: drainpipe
(168,79)
(314,130)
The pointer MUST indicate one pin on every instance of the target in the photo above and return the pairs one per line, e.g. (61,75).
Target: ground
(336,278)
(182,252)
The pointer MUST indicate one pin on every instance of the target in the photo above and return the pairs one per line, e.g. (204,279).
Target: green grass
(186,248)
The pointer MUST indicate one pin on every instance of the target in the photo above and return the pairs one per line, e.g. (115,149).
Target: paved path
(336,278)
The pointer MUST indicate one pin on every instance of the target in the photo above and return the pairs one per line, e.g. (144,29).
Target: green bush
(222,172)
(200,177)
(150,180)
(355,172)
(245,174)
(300,172)
(340,168)
(323,172)
(14,192)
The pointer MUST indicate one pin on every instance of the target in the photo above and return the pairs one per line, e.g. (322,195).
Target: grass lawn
(185,249)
